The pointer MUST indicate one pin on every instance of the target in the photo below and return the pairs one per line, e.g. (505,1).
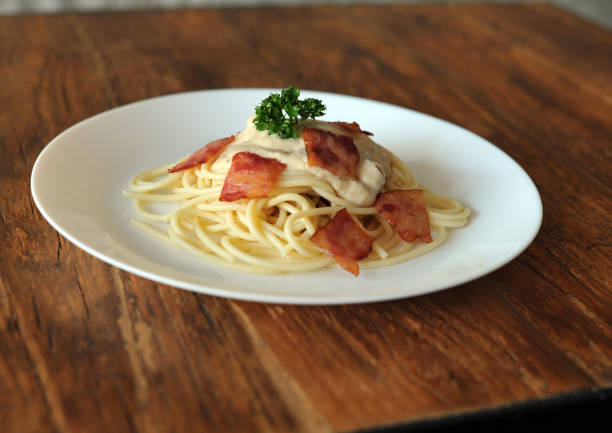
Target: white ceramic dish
(78,178)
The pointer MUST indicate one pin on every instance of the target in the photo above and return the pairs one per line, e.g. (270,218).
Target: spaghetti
(272,234)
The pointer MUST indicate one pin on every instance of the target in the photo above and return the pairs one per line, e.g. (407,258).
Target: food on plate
(290,193)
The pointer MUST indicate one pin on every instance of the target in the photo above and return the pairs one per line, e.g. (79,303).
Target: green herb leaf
(280,113)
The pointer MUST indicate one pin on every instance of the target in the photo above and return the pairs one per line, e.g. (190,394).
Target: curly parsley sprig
(280,113)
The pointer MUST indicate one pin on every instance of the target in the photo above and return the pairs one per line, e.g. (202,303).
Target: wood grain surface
(87,347)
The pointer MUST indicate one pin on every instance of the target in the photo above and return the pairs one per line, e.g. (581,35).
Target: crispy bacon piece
(352,127)
(405,210)
(250,176)
(344,240)
(335,153)
(208,152)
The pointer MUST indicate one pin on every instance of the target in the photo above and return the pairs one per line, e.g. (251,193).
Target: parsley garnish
(279,113)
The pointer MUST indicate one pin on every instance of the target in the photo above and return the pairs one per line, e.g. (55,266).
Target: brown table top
(85,346)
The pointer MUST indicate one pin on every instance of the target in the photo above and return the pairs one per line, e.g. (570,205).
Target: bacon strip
(208,152)
(352,127)
(344,240)
(406,211)
(335,153)
(250,176)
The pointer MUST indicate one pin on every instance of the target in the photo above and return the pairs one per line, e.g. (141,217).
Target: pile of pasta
(291,221)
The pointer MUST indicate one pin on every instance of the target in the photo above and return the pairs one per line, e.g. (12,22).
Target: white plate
(78,178)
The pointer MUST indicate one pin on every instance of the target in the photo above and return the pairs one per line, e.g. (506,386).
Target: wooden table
(87,347)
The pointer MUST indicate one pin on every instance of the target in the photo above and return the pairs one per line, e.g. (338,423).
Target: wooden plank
(85,346)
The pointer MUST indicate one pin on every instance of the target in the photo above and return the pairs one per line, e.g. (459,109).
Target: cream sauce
(374,162)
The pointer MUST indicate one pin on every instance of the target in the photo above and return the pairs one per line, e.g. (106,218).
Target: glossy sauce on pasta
(373,170)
